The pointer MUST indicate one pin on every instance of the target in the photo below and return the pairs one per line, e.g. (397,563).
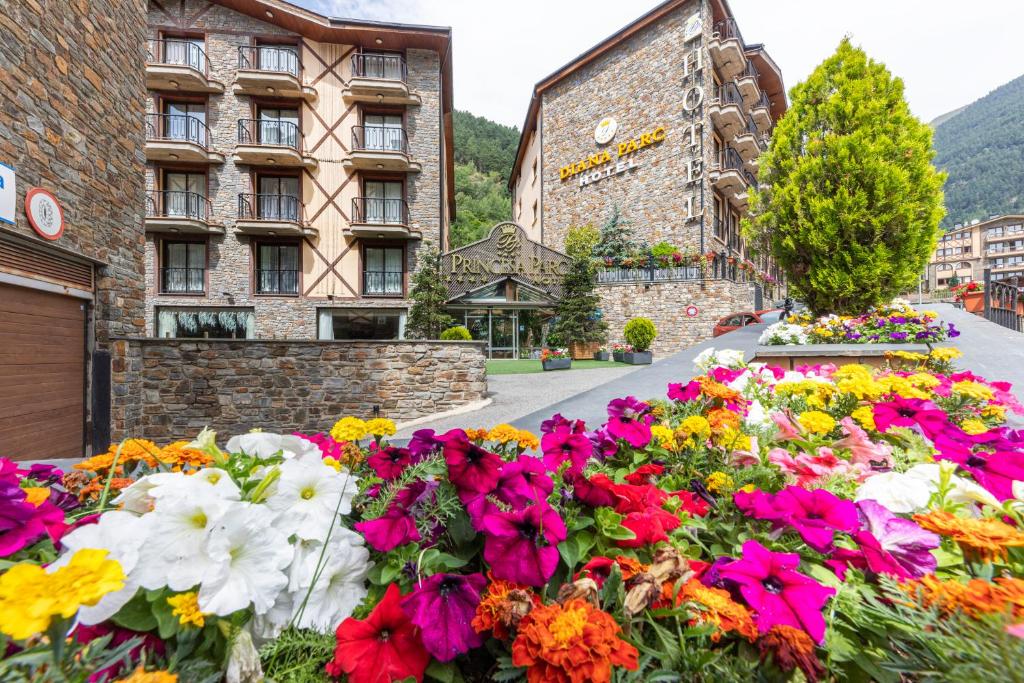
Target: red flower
(389,462)
(645,474)
(693,504)
(382,648)
(472,469)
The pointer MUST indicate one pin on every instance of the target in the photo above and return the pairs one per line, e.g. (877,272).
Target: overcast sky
(948,53)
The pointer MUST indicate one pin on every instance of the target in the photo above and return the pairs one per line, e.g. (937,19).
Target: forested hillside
(982,149)
(484,152)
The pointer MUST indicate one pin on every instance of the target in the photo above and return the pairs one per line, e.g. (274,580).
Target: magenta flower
(397,526)
(561,445)
(629,420)
(771,586)
(895,541)
(20,524)
(329,448)
(996,472)
(815,515)
(523,482)
(684,392)
(423,443)
(472,469)
(557,422)
(443,607)
(390,462)
(521,545)
(911,412)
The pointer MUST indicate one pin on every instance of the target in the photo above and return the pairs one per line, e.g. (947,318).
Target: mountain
(939,120)
(484,153)
(981,147)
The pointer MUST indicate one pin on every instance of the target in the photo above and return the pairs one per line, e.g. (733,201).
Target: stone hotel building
(966,251)
(295,166)
(664,120)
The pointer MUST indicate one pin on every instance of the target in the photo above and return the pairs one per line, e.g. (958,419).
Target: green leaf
(446,673)
(136,615)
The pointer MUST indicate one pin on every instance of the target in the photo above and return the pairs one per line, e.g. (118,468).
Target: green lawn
(522,367)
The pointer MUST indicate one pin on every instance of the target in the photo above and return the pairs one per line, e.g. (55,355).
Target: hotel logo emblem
(605,130)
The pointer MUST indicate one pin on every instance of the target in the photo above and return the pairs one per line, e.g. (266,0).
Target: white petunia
(896,491)
(962,490)
(306,497)
(267,444)
(243,660)
(339,588)
(122,534)
(209,480)
(783,333)
(136,497)
(249,557)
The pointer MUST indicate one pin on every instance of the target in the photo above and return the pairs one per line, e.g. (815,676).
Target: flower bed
(894,324)
(844,522)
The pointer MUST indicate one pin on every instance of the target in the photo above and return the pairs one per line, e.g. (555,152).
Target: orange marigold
(791,648)
(500,608)
(986,538)
(722,418)
(716,607)
(94,488)
(974,598)
(476,434)
(571,643)
(133,450)
(179,455)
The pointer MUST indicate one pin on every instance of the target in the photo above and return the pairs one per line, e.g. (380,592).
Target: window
(183,268)
(717,220)
(383,131)
(361,323)
(190,52)
(383,271)
(384,202)
(380,65)
(279,127)
(533,178)
(184,195)
(277,268)
(185,121)
(200,323)
(278,198)
(283,58)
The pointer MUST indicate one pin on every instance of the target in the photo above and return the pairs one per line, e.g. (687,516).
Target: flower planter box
(638,358)
(617,356)
(583,350)
(601,355)
(974,302)
(556,364)
(792,356)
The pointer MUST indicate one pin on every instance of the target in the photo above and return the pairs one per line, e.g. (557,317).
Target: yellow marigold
(714,606)
(865,415)
(348,429)
(816,422)
(140,675)
(996,412)
(186,608)
(380,426)
(30,597)
(351,455)
(946,353)
(749,488)
(733,439)
(527,440)
(36,495)
(901,386)
(132,451)
(476,434)
(973,426)
(503,433)
(723,418)
(718,481)
(975,390)
(664,436)
(975,597)
(696,425)
(985,538)
(908,355)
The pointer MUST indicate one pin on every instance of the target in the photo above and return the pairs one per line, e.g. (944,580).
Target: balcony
(272,214)
(729,177)
(179,137)
(748,142)
(381,218)
(726,49)
(383,284)
(746,82)
(726,109)
(271,142)
(179,65)
(761,112)
(380,148)
(992,236)
(268,71)
(379,79)
(180,212)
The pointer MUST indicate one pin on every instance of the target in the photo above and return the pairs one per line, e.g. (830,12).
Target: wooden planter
(556,364)
(790,357)
(583,350)
(638,358)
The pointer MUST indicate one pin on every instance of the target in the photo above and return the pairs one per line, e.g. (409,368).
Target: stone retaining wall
(665,303)
(234,386)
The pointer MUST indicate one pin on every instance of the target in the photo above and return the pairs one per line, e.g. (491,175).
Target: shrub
(640,333)
(849,202)
(581,240)
(663,249)
(457,333)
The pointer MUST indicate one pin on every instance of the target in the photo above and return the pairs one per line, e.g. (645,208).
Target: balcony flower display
(897,323)
(839,521)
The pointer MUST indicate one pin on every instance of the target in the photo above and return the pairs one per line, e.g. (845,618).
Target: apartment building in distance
(967,250)
(295,166)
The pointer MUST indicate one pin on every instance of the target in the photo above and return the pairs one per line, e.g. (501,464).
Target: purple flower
(521,545)
(443,607)
(900,541)
(423,443)
(898,320)
(523,482)
(20,526)
(605,445)
(563,444)
(922,335)
(898,336)
(44,474)
(556,422)
(953,332)
(629,420)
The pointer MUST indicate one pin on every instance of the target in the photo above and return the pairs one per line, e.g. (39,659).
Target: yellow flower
(908,355)
(698,426)
(348,429)
(973,426)
(946,353)
(331,461)
(30,597)
(186,608)
(140,675)
(476,434)
(901,386)
(994,411)
(36,495)
(503,433)
(924,380)
(664,436)
(865,415)
(816,422)
(733,438)
(974,390)
(526,440)
(380,426)
(718,481)
(749,488)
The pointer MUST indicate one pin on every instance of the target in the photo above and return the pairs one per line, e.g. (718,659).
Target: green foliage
(298,656)
(981,147)
(849,202)
(580,241)
(663,249)
(457,333)
(427,317)
(578,319)
(487,146)
(617,239)
(640,333)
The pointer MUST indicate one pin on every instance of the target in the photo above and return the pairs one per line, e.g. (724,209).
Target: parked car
(734,321)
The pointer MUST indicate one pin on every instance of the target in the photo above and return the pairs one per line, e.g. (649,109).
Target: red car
(734,321)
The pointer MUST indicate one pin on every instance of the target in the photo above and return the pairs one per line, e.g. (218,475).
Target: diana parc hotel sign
(602,164)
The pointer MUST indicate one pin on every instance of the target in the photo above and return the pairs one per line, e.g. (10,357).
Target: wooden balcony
(380,148)
(275,215)
(270,71)
(271,142)
(179,137)
(179,65)
(174,211)
(379,79)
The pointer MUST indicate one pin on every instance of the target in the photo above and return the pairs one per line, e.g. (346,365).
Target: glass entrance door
(504,340)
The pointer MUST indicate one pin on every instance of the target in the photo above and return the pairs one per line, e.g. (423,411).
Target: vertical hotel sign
(8,194)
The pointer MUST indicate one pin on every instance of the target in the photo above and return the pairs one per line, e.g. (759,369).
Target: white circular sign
(691,311)
(44,213)
(605,130)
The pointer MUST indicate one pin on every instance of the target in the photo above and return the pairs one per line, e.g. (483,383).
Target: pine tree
(427,317)
(617,238)
(577,317)
(849,202)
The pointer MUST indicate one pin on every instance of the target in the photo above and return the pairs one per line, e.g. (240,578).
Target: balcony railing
(728,93)
(379,283)
(270,207)
(730,160)
(383,67)
(762,101)
(270,58)
(749,72)
(269,132)
(277,281)
(380,138)
(380,211)
(178,204)
(727,29)
(182,280)
(177,127)
(179,52)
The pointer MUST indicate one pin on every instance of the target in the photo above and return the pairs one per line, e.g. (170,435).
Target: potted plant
(601,354)
(555,359)
(640,334)
(619,350)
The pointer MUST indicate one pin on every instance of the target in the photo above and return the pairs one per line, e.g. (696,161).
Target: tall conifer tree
(427,317)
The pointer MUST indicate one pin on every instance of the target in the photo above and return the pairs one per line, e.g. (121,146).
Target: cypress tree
(578,319)
(427,317)
(849,202)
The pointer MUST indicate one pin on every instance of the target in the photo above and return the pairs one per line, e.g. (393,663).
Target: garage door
(42,374)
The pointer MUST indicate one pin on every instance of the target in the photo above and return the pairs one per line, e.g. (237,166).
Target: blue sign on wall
(8,195)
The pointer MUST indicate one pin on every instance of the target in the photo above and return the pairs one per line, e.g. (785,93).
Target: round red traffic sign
(44,212)
(692,311)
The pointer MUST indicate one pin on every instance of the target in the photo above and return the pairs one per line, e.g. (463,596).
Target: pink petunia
(809,470)
(563,445)
(815,515)
(863,450)
(521,545)
(629,419)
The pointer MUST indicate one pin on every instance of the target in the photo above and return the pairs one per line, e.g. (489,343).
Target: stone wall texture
(236,386)
(665,303)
